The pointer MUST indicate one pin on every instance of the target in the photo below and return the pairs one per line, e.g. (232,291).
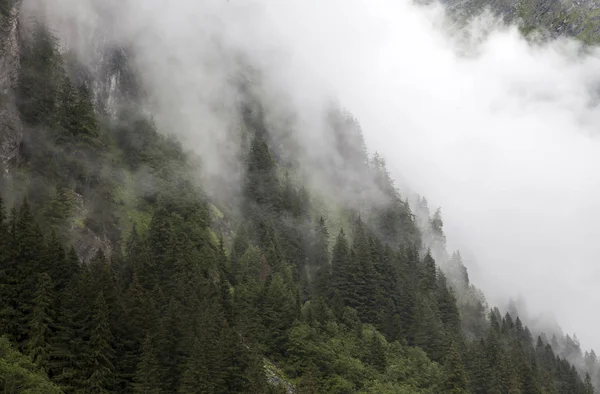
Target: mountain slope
(121,274)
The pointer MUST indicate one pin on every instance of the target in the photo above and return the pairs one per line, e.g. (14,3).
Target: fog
(504,140)
(499,133)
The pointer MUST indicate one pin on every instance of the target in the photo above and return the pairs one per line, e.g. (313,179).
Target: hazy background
(504,141)
(503,138)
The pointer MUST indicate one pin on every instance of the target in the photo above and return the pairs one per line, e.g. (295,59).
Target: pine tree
(170,347)
(262,189)
(447,305)
(4,239)
(479,369)
(278,311)
(86,126)
(239,248)
(375,354)
(341,269)
(456,377)
(408,261)
(70,344)
(428,278)
(391,325)
(147,376)
(101,353)
(364,280)
(139,319)
(55,263)
(161,239)
(38,346)
(23,252)
(224,285)
(8,278)
(428,331)
(588,387)
(142,262)
(320,257)
(196,376)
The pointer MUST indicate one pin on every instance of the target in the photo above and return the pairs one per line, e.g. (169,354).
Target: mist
(498,132)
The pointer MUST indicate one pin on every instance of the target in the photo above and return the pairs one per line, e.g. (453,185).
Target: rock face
(90,42)
(578,18)
(11,131)
(90,58)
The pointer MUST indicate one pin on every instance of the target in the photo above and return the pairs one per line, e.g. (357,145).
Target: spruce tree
(278,311)
(341,269)
(456,376)
(428,279)
(38,343)
(147,376)
(375,354)
(100,364)
(588,386)
(262,190)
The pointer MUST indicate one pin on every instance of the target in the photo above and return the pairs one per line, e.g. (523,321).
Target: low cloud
(500,133)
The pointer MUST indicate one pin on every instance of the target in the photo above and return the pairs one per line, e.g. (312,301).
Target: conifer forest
(123,271)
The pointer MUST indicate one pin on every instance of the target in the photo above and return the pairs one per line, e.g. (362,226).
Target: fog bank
(499,133)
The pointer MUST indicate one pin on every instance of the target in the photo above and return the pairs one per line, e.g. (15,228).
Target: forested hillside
(119,274)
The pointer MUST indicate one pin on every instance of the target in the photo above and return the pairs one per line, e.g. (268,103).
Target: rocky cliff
(11,133)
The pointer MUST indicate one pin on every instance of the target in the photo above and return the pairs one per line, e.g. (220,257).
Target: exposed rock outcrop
(11,131)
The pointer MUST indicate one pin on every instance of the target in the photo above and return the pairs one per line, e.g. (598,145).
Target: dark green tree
(147,376)
(100,363)
(341,267)
(456,376)
(38,344)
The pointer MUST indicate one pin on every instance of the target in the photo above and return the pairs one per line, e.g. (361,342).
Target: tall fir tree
(100,364)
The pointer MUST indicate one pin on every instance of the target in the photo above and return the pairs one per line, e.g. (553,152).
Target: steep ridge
(288,286)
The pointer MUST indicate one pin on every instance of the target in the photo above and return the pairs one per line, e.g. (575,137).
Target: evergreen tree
(38,346)
(408,261)
(428,278)
(240,246)
(447,306)
(588,387)
(279,311)
(196,376)
(101,353)
(456,377)
(342,269)
(262,189)
(147,376)
(364,281)
(428,331)
(4,238)
(375,354)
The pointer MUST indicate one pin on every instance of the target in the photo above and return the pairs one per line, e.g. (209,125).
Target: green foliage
(18,374)
(147,378)
(39,82)
(101,354)
(38,346)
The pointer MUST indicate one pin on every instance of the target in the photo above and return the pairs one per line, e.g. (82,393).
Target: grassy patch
(215,212)
(132,209)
